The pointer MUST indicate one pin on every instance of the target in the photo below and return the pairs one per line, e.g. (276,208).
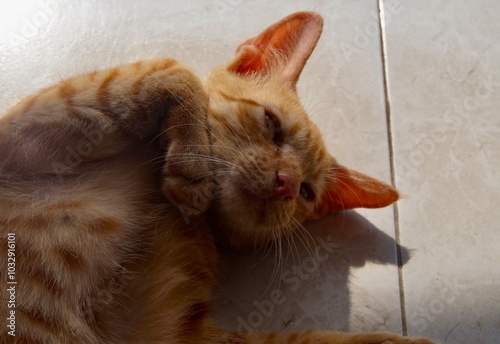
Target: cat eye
(274,125)
(306,192)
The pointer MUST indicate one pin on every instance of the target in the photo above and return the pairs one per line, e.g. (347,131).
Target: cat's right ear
(285,46)
(352,189)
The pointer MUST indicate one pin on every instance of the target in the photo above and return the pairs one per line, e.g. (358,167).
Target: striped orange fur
(120,184)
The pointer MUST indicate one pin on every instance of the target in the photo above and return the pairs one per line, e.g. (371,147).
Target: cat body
(120,185)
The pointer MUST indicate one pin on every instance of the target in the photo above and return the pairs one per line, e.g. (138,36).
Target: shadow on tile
(307,285)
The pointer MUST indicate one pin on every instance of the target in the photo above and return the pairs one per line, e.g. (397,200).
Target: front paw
(389,338)
(188,179)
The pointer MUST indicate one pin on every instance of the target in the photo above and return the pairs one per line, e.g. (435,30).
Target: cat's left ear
(285,45)
(352,189)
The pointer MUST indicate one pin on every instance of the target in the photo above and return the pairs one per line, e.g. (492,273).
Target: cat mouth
(258,203)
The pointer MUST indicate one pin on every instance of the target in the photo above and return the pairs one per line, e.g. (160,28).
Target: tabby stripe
(73,260)
(239,100)
(103,93)
(316,174)
(192,319)
(82,117)
(66,91)
(308,136)
(38,222)
(137,87)
(39,320)
(39,273)
(319,156)
(139,83)
(42,279)
(105,225)
(294,129)
(163,64)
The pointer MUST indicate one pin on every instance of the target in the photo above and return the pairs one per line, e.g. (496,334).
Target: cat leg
(188,170)
(66,129)
(323,337)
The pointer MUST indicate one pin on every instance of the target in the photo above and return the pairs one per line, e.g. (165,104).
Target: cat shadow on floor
(307,285)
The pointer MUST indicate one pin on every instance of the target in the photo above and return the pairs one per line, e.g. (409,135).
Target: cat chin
(244,237)
(244,207)
(241,221)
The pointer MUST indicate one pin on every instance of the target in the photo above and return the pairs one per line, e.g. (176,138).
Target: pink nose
(283,189)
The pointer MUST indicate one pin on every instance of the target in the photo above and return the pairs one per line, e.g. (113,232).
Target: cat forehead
(254,92)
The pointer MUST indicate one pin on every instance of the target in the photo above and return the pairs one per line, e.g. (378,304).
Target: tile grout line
(383,51)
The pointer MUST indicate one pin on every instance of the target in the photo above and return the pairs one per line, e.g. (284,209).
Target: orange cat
(117,186)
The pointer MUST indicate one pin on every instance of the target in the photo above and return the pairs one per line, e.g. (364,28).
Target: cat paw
(188,179)
(389,338)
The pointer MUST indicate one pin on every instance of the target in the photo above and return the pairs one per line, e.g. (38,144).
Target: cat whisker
(278,261)
(311,249)
(217,170)
(305,238)
(293,248)
(165,131)
(291,241)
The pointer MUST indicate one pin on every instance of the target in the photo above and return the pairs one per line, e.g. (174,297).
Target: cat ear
(351,189)
(285,45)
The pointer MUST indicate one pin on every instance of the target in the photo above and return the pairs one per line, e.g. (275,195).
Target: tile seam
(383,52)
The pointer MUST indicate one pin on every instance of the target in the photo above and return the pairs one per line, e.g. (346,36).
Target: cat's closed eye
(274,126)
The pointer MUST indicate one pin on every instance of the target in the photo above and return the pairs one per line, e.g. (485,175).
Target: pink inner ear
(352,189)
(286,44)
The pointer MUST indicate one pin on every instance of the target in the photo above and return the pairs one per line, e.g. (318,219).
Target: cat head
(274,171)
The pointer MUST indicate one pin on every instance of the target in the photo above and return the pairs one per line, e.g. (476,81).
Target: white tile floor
(418,104)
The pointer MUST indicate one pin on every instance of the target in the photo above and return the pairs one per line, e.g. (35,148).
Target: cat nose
(283,188)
